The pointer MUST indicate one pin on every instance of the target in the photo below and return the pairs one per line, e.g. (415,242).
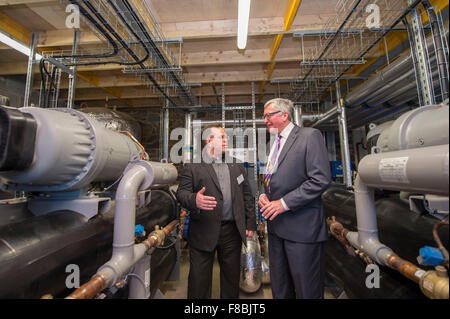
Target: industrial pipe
(366,239)
(137,176)
(434,284)
(98,282)
(69,150)
(438,241)
(421,170)
(378,83)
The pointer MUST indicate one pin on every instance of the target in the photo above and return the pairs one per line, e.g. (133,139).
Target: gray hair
(283,105)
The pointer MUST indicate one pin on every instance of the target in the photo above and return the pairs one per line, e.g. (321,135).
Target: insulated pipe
(381,81)
(398,84)
(366,239)
(397,92)
(424,170)
(383,78)
(433,284)
(99,281)
(137,176)
(327,116)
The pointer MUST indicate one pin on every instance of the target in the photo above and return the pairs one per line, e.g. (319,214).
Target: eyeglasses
(269,115)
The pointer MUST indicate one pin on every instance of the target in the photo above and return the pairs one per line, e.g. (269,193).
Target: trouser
(297,270)
(201,266)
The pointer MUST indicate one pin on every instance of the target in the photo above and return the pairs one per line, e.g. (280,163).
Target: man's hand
(249,233)
(205,202)
(263,200)
(272,209)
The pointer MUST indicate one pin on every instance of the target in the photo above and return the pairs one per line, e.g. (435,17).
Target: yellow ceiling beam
(275,46)
(93,79)
(289,15)
(14,29)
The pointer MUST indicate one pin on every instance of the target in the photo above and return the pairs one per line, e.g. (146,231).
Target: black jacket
(204,226)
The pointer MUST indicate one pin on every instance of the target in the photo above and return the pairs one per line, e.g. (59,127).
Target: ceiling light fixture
(16,45)
(243,17)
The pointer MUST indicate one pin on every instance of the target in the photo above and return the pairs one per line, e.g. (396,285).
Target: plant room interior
(102,104)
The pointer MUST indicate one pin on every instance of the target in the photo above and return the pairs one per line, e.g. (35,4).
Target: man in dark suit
(222,217)
(297,174)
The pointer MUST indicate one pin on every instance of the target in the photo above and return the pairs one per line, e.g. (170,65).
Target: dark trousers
(297,270)
(201,266)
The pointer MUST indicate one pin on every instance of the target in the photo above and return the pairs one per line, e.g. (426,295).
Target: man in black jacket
(222,217)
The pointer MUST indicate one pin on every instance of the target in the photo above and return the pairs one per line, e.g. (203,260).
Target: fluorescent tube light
(243,17)
(16,45)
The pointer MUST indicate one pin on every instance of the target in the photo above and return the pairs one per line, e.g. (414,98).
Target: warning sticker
(393,170)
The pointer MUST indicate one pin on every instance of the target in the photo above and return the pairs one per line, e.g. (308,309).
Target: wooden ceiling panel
(173,11)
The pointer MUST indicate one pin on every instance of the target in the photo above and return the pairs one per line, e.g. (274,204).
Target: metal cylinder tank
(422,127)
(71,150)
(115,120)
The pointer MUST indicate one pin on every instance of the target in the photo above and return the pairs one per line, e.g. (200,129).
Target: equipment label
(393,170)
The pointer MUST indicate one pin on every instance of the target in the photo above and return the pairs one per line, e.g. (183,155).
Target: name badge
(240,179)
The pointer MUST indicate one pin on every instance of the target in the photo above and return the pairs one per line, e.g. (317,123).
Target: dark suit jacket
(302,175)
(204,226)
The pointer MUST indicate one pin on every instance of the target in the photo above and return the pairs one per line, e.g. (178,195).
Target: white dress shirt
(284,135)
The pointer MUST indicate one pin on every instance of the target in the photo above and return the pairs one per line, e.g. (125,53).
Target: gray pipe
(138,176)
(140,279)
(423,170)
(402,65)
(327,116)
(366,90)
(378,82)
(366,239)
(399,83)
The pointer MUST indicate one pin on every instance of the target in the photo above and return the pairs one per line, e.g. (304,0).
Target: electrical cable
(118,38)
(173,242)
(116,9)
(99,28)
(154,47)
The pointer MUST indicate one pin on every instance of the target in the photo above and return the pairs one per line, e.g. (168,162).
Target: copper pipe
(438,241)
(90,289)
(339,232)
(404,267)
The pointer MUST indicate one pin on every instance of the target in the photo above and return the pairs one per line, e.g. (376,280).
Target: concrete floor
(178,289)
